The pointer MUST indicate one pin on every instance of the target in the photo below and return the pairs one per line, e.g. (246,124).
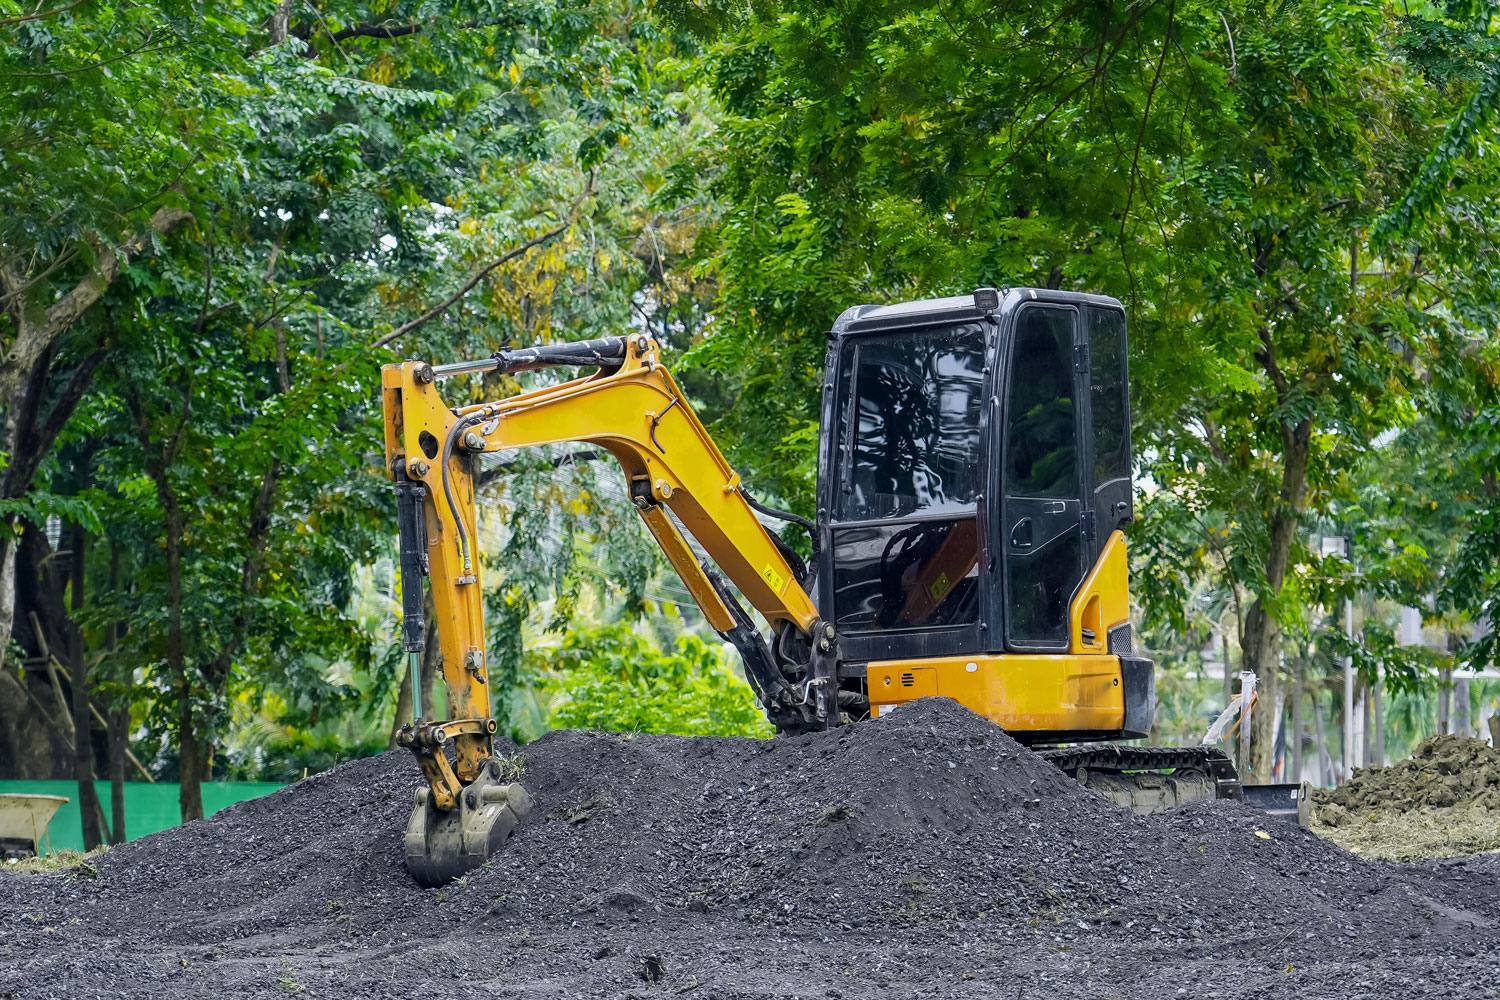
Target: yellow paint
(1103,601)
(1021,692)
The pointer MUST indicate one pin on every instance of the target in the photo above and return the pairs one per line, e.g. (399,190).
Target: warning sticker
(775,579)
(939,587)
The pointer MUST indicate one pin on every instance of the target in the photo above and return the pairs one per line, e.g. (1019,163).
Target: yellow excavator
(974,478)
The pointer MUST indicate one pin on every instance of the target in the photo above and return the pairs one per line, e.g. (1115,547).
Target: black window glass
(1041,587)
(895,576)
(1041,458)
(1107,395)
(914,444)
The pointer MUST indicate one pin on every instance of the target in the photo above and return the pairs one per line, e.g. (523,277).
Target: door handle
(1019,540)
(1054,507)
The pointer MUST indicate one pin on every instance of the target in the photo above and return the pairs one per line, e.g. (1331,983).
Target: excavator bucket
(441,844)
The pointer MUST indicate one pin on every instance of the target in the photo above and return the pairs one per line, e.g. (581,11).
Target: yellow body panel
(1075,692)
(1103,599)
(1021,692)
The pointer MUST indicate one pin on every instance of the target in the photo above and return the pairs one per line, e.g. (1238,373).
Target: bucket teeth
(441,845)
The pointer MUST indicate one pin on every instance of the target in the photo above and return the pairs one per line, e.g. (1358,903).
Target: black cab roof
(957,308)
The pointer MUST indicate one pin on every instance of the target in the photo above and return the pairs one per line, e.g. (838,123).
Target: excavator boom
(630,407)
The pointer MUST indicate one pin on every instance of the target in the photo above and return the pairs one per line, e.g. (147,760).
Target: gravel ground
(924,854)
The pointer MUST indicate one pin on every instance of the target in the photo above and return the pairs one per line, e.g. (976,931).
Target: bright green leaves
(614,678)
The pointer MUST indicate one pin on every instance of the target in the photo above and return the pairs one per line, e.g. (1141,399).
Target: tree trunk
(90,812)
(1367,724)
(41,316)
(158,459)
(7,585)
(432,665)
(1325,759)
(190,753)
(1379,760)
(1228,670)
(190,758)
(1461,724)
(119,724)
(119,719)
(1261,644)
(432,669)
(403,705)
(1262,638)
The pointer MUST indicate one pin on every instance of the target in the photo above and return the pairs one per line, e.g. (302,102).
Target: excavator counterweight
(974,481)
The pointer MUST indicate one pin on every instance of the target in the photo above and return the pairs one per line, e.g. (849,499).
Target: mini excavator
(974,478)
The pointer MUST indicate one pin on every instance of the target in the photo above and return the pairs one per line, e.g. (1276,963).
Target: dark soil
(922,854)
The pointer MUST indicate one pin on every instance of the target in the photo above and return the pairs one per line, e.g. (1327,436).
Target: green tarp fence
(148,808)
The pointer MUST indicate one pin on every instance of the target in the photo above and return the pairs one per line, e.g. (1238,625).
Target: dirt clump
(925,853)
(1441,802)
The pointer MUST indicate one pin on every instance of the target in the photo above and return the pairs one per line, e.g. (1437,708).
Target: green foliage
(611,677)
(1296,201)
(339,169)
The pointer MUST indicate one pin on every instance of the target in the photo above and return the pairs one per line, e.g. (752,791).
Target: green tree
(614,678)
(353,180)
(1221,169)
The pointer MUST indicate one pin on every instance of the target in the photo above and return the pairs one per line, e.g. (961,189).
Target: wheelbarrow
(23,823)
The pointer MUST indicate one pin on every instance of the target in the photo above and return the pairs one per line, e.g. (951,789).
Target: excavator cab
(973,481)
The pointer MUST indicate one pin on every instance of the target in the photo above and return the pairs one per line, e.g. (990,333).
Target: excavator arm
(631,407)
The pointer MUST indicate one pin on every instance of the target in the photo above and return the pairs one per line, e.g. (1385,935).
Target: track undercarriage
(1147,780)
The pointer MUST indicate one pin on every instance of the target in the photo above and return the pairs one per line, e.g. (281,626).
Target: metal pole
(1247,701)
(1296,774)
(1349,691)
(414,665)
(1379,760)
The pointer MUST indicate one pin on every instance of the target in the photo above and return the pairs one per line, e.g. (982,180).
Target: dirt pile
(1443,801)
(925,853)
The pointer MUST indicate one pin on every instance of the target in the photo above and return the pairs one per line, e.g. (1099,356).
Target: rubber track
(1111,757)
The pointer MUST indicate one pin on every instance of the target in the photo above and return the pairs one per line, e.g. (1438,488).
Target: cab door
(1043,510)
(1108,404)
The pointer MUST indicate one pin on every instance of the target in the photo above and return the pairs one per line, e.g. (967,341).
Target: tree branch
(386,29)
(468,286)
(39,15)
(502,469)
(35,335)
(35,441)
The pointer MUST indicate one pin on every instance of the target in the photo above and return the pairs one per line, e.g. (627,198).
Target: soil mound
(1443,801)
(924,847)
(1443,771)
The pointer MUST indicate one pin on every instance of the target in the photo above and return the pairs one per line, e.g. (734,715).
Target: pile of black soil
(922,854)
